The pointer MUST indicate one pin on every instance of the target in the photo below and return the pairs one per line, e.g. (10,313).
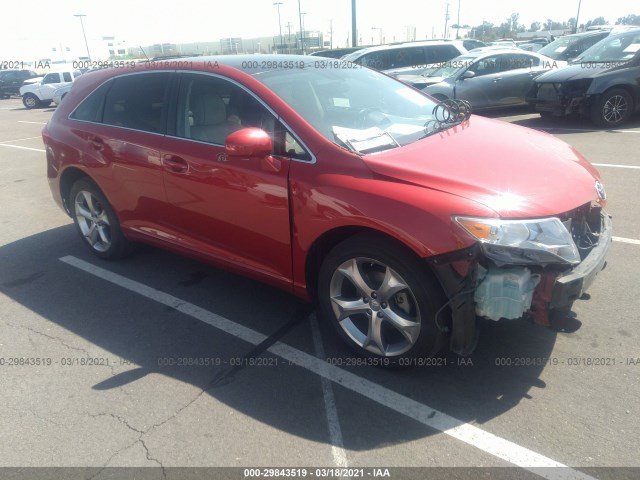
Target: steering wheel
(372,117)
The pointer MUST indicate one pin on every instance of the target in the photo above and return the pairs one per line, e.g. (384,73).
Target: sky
(144,22)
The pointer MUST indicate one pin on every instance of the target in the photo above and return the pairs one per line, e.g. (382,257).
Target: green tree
(535,26)
(596,21)
(629,20)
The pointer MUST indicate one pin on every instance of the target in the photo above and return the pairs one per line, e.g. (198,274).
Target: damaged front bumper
(538,292)
(558,100)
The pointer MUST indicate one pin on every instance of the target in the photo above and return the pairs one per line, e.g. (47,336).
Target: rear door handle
(96,143)
(496,80)
(175,164)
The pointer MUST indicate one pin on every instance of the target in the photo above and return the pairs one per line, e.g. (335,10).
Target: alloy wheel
(375,306)
(93,221)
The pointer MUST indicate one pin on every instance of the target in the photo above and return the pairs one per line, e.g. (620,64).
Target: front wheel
(612,108)
(96,222)
(381,299)
(29,100)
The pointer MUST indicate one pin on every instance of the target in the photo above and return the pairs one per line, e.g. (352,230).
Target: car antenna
(142,49)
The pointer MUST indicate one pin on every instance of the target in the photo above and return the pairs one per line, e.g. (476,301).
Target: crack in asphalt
(64,344)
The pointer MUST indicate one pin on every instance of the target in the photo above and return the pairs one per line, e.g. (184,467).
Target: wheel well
(327,241)
(69,177)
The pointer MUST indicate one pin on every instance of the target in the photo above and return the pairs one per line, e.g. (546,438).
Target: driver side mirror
(247,143)
(467,74)
(252,143)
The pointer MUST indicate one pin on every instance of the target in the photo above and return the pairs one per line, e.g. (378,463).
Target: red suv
(406,218)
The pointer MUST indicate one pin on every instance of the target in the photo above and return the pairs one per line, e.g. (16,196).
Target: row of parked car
(37,90)
(596,73)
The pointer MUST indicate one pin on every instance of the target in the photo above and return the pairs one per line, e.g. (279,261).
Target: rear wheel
(612,108)
(29,100)
(381,299)
(96,221)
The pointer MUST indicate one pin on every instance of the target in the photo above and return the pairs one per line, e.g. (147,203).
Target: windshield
(615,48)
(451,67)
(565,48)
(356,108)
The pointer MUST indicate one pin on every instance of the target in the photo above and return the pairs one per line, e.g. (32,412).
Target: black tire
(612,108)
(30,101)
(100,230)
(375,257)
(546,115)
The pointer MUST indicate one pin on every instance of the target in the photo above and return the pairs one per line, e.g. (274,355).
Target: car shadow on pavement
(571,124)
(494,379)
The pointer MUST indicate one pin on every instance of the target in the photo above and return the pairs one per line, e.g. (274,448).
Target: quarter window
(138,102)
(92,107)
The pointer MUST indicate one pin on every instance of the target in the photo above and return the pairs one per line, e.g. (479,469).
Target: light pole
(302,14)
(577,17)
(378,28)
(86,44)
(301,31)
(277,4)
(458,24)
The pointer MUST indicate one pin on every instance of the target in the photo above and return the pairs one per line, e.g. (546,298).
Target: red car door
(233,210)
(121,131)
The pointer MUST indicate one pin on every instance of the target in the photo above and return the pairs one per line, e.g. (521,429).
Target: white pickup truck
(41,94)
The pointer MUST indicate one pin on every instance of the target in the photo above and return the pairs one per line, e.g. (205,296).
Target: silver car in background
(486,78)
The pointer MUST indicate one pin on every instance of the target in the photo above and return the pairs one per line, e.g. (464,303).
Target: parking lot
(161,361)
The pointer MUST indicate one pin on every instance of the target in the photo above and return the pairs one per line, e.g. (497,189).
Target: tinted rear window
(91,108)
(441,53)
(138,102)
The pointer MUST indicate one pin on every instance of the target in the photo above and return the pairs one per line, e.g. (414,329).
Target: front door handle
(175,164)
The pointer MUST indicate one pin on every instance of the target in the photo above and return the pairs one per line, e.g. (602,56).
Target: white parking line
(471,435)
(20,139)
(615,166)
(39,123)
(22,148)
(553,129)
(331,411)
(626,240)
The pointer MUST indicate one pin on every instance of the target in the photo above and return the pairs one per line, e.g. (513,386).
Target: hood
(419,80)
(515,171)
(576,71)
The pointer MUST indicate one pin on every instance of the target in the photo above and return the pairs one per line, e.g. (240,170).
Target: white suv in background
(410,57)
(41,94)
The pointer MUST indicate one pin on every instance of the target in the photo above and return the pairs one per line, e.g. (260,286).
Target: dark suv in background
(12,80)
(603,83)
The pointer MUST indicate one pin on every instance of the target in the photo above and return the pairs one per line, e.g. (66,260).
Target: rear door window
(66,76)
(406,57)
(441,53)
(138,102)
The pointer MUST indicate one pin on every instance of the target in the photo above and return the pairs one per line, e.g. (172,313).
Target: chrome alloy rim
(93,221)
(375,306)
(614,109)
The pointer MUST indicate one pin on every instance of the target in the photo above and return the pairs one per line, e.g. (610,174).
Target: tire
(394,325)
(30,101)
(96,222)
(612,108)
(546,115)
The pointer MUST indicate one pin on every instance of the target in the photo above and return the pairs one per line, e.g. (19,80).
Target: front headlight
(538,241)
